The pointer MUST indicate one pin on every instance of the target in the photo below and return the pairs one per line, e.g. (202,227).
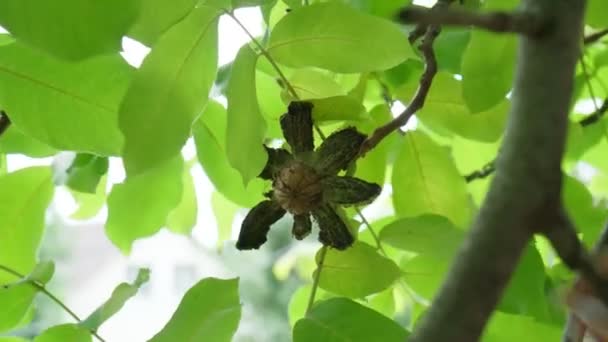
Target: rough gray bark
(526,189)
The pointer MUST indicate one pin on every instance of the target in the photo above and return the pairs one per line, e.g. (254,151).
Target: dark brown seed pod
(339,150)
(345,190)
(333,231)
(297,188)
(297,127)
(257,223)
(301,226)
(277,158)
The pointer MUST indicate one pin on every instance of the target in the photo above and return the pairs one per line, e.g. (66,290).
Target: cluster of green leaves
(65,87)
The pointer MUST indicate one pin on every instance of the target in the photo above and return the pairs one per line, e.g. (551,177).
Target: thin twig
(265,53)
(595,37)
(524,23)
(430,69)
(40,287)
(5,122)
(315,281)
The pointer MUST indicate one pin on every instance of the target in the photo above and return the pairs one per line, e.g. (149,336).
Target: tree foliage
(65,88)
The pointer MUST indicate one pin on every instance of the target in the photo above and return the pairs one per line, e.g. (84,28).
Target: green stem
(265,53)
(40,287)
(315,281)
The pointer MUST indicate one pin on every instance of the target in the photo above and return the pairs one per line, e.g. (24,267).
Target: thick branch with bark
(526,23)
(527,184)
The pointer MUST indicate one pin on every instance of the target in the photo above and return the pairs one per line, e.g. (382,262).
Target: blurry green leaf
(183,218)
(298,303)
(209,311)
(13,141)
(444,109)
(86,172)
(487,69)
(139,207)
(269,96)
(468,162)
(89,204)
(357,271)
(169,91)
(596,13)
(383,302)
(224,211)
(13,339)
(249,3)
(246,127)
(525,293)
(342,320)
(86,95)
(24,198)
(210,137)
(424,273)
(64,333)
(314,84)
(425,234)
(425,180)
(372,166)
(121,294)
(505,327)
(588,218)
(336,37)
(385,8)
(71,29)
(337,108)
(16,298)
(449,48)
(158,16)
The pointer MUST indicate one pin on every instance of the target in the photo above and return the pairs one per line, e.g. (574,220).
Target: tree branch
(595,37)
(5,122)
(525,23)
(527,181)
(430,69)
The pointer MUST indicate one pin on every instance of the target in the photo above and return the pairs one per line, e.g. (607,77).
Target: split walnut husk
(306,183)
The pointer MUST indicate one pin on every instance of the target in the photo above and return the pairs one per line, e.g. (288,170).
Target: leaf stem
(265,53)
(315,281)
(40,287)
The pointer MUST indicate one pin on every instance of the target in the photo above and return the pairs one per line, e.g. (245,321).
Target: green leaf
(487,69)
(16,298)
(588,218)
(24,198)
(525,294)
(121,294)
(372,166)
(340,319)
(210,138)
(425,180)
(596,13)
(424,273)
(13,339)
(246,127)
(86,95)
(449,48)
(169,91)
(14,141)
(314,84)
(158,16)
(139,207)
(336,37)
(444,109)
(505,327)
(64,333)
(424,234)
(209,311)
(183,218)
(86,172)
(250,3)
(89,204)
(357,271)
(385,8)
(224,211)
(70,29)
(337,108)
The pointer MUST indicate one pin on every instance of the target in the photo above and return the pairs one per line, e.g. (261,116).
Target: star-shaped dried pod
(305,182)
